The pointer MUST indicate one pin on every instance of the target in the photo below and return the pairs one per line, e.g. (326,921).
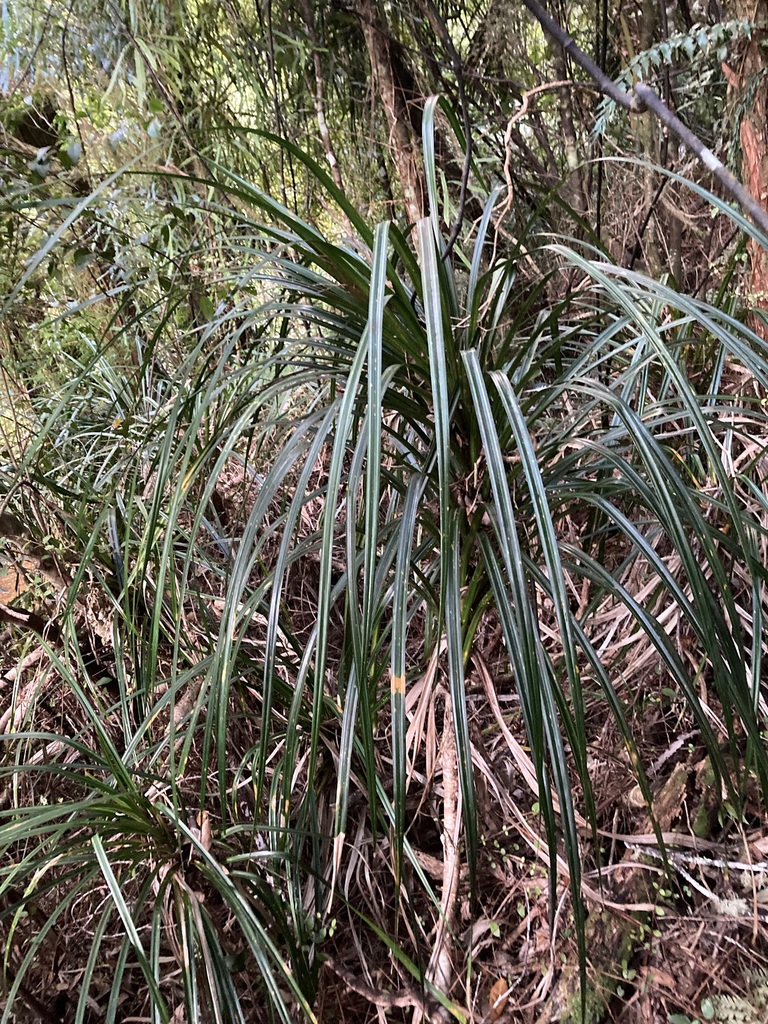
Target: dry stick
(408,995)
(527,96)
(642,98)
(31,659)
(15,713)
(28,620)
(440,971)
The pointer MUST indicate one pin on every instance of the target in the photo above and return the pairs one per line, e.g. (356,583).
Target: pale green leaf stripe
(454,643)
(361,627)
(376,305)
(438,372)
(547,533)
(335,471)
(529,660)
(473,298)
(449,585)
(278,577)
(352,689)
(430,171)
(623,299)
(259,942)
(36,944)
(93,959)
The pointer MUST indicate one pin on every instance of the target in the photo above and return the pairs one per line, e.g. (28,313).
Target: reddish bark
(750,80)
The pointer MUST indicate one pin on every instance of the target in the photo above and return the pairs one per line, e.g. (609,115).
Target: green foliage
(726,1009)
(701,51)
(284,470)
(749,1009)
(418,433)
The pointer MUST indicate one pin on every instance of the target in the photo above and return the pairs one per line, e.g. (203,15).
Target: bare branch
(642,98)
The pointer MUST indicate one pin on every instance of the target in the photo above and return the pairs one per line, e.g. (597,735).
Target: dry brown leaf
(497,999)
(205,830)
(200,827)
(658,978)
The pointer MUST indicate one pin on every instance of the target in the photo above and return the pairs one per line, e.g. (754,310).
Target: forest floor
(673,936)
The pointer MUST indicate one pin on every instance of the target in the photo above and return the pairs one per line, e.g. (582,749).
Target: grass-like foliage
(281,549)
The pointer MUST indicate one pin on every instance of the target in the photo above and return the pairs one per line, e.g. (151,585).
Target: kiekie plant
(436,445)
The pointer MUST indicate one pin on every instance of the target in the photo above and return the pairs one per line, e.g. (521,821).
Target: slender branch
(308,14)
(640,232)
(642,98)
(408,996)
(607,85)
(27,620)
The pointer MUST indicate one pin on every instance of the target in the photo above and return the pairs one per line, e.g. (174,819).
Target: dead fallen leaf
(658,978)
(497,999)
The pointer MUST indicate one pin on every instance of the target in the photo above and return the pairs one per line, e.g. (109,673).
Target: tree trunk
(750,77)
(403,145)
(574,193)
(648,139)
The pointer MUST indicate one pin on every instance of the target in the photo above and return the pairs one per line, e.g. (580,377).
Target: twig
(640,232)
(676,858)
(527,96)
(31,659)
(440,971)
(671,750)
(522,760)
(735,907)
(642,98)
(408,997)
(14,715)
(28,620)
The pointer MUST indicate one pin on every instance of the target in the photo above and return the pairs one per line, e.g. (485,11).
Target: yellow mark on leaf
(398,684)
